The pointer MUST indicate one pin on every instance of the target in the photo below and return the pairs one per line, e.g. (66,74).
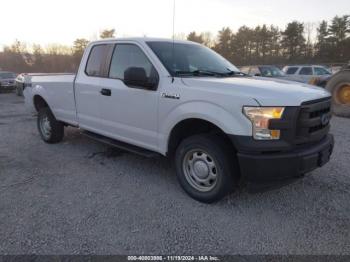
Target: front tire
(51,130)
(206,167)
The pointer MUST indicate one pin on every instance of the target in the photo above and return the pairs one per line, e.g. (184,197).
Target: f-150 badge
(172,96)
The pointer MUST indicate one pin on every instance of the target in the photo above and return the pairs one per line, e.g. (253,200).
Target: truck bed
(57,90)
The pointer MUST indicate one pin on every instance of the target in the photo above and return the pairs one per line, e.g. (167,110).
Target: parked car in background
(303,73)
(7,80)
(264,71)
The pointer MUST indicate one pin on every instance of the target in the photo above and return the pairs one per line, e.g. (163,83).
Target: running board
(121,145)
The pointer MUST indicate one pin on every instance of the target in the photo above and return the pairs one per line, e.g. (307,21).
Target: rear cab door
(87,88)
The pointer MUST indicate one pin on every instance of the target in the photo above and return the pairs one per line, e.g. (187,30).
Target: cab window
(126,56)
(97,64)
(291,70)
(306,71)
(321,71)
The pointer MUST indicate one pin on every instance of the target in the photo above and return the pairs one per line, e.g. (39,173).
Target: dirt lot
(83,197)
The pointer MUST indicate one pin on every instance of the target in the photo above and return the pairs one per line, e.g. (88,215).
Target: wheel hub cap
(343,94)
(200,170)
(45,127)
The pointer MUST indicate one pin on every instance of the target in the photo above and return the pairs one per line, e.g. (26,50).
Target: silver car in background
(304,73)
(265,71)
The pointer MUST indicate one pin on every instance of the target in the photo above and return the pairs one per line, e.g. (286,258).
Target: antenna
(173,49)
(174,6)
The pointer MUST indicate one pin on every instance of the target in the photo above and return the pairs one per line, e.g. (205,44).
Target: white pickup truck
(182,100)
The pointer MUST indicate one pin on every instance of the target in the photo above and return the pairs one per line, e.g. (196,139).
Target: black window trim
(149,60)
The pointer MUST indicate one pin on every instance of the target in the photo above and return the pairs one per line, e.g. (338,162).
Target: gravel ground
(83,197)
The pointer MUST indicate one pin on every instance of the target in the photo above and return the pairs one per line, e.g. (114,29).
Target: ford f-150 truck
(182,100)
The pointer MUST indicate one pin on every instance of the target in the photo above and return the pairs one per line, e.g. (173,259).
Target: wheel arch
(219,118)
(193,126)
(39,102)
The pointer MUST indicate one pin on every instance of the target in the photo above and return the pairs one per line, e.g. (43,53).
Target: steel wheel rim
(200,170)
(343,94)
(45,127)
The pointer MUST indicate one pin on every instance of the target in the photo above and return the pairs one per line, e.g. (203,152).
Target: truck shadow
(160,170)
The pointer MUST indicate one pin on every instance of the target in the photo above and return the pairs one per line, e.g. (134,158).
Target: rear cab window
(99,57)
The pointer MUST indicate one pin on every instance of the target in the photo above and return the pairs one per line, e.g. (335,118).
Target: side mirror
(257,74)
(136,77)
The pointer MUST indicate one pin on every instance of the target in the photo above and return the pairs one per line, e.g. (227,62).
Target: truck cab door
(87,88)
(129,98)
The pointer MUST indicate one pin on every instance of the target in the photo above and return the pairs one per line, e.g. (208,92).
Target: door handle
(106,92)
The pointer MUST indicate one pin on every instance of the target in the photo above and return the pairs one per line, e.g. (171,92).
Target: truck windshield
(7,75)
(182,59)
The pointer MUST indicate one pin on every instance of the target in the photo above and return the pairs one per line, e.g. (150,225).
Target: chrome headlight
(260,117)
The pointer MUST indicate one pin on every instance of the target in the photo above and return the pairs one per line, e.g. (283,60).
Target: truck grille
(313,121)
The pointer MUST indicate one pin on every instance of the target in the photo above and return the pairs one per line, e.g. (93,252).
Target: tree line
(263,44)
(271,45)
(53,58)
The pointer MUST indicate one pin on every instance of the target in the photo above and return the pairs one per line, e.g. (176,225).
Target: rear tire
(206,167)
(339,86)
(51,130)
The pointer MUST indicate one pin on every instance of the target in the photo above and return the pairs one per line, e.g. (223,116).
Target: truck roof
(143,40)
(301,65)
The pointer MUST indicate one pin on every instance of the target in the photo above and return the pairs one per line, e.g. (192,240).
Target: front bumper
(270,169)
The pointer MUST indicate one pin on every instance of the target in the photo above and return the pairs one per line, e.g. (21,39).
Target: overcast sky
(62,21)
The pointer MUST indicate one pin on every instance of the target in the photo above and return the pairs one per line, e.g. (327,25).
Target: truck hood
(267,91)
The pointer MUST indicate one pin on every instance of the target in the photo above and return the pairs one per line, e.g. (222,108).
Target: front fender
(234,123)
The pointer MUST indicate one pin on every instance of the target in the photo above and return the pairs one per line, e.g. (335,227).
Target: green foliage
(107,33)
(293,41)
(224,43)
(195,38)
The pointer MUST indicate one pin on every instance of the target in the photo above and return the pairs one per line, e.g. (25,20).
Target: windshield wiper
(201,72)
(234,73)
(197,73)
